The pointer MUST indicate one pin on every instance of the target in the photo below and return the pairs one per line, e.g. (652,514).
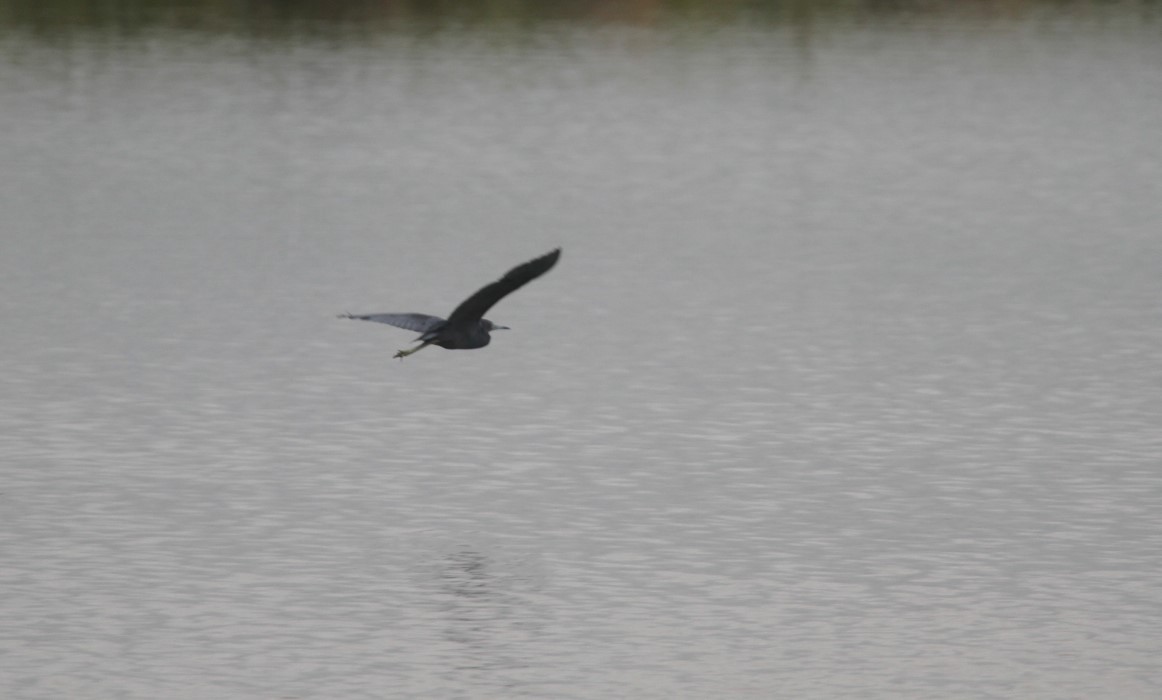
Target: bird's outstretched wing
(420,323)
(474,307)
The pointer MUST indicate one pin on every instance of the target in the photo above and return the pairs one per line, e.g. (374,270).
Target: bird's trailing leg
(404,353)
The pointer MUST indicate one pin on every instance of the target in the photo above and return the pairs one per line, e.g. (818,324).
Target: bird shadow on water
(484,608)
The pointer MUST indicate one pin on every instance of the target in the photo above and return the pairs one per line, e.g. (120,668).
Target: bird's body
(466,328)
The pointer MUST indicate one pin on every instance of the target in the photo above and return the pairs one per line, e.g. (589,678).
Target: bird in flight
(466,328)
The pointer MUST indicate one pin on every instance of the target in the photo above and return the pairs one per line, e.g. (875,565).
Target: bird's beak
(501,328)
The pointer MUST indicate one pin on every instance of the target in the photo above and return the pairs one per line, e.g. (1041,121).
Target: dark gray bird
(466,328)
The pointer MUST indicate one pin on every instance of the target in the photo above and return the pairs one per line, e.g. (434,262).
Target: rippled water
(847,384)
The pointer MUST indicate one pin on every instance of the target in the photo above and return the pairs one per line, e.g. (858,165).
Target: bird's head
(490,326)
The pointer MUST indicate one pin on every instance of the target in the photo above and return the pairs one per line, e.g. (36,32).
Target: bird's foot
(404,353)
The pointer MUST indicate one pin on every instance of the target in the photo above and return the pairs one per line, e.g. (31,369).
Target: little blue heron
(466,328)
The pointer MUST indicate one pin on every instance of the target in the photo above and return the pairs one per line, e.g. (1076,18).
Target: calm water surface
(847,386)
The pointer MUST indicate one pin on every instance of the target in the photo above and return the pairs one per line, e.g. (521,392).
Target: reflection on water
(846,385)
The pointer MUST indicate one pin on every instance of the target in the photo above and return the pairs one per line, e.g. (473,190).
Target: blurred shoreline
(276,18)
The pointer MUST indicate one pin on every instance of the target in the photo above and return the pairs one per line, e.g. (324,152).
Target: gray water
(848,384)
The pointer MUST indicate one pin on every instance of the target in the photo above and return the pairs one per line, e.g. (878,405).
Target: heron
(466,328)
